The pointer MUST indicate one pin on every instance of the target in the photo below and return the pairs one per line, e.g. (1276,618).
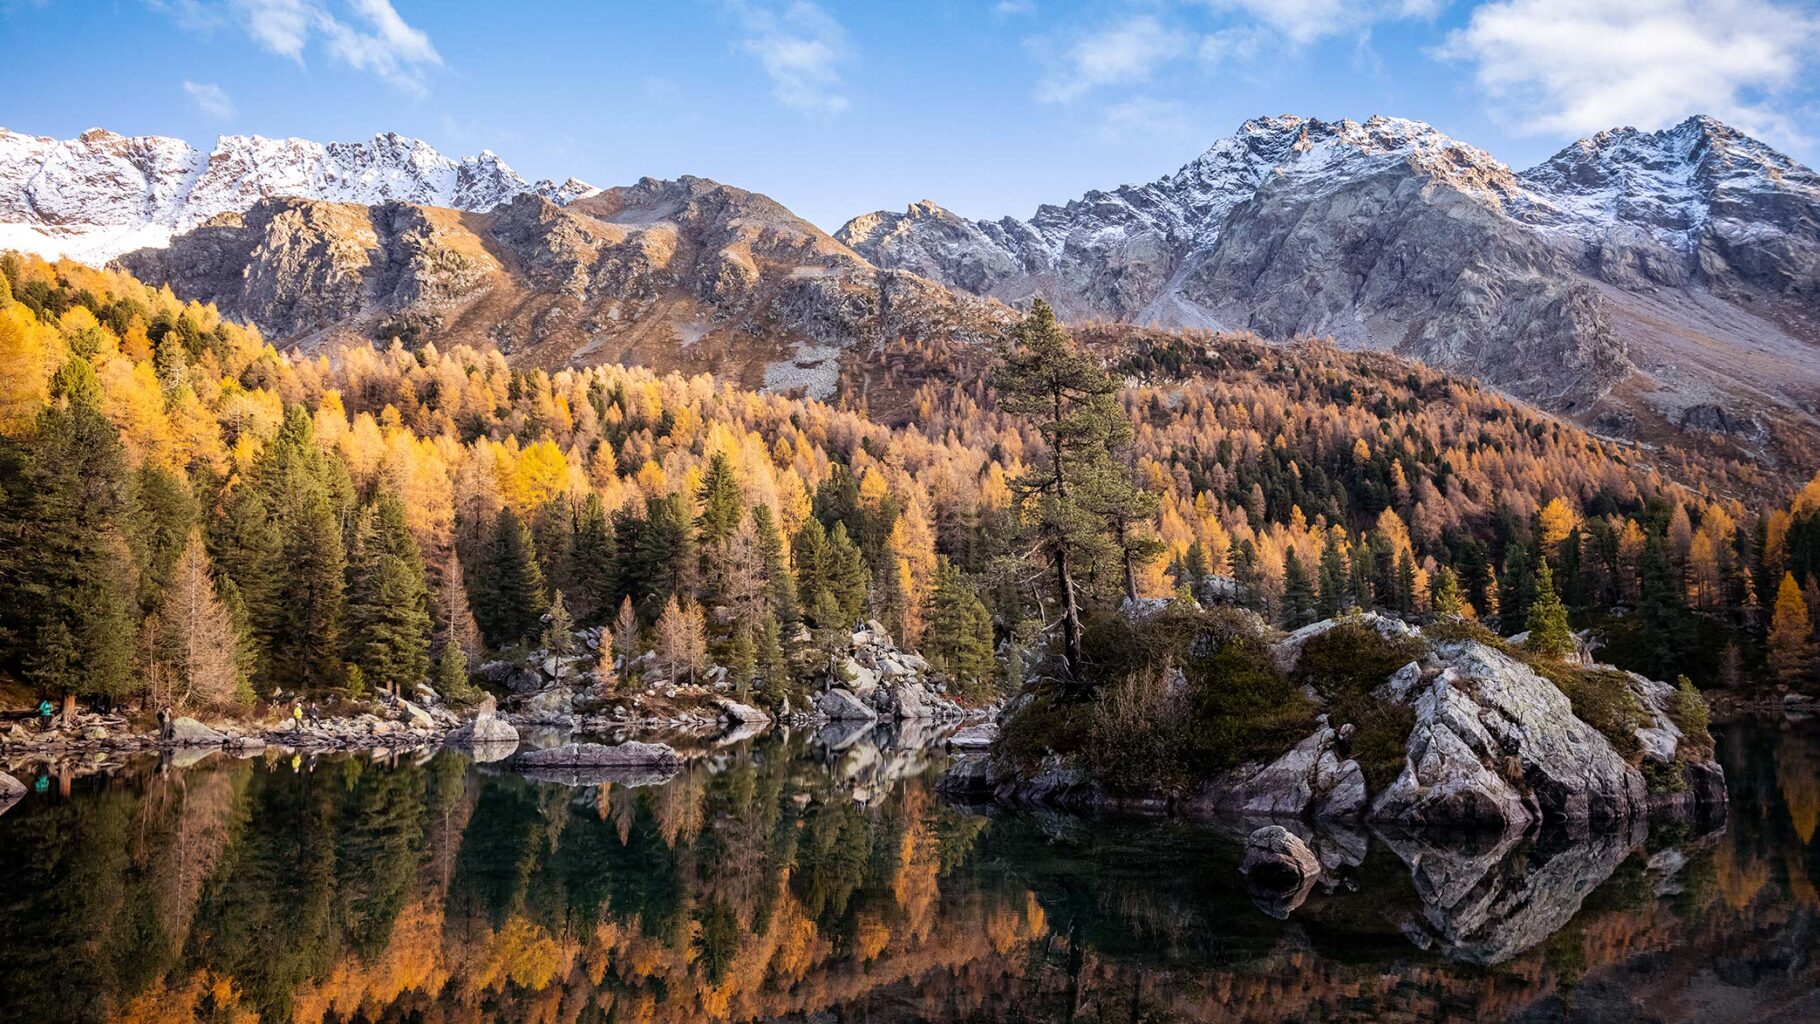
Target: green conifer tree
(71,612)
(959,633)
(1298,592)
(591,565)
(1045,377)
(847,579)
(388,604)
(508,585)
(1549,633)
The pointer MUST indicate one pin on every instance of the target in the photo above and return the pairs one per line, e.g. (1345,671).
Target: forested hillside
(190,513)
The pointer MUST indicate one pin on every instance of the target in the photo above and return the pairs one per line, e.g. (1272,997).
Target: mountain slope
(1386,233)
(687,274)
(101,194)
(1651,283)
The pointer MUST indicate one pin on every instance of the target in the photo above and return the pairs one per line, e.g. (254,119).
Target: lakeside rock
(1492,743)
(631,763)
(486,729)
(11,791)
(1279,870)
(872,679)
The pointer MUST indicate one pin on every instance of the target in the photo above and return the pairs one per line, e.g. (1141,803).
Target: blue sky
(986,106)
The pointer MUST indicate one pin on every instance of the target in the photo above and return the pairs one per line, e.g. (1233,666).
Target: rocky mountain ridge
(100,194)
(688,274)
(1654,286)
(1640,280)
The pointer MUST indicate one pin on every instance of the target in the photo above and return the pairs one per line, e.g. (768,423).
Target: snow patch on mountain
(102,194)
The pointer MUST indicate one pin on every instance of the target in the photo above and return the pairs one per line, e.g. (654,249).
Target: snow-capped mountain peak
(102,194)
(1668,185)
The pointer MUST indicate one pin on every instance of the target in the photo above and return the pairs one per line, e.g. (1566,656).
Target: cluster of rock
(873,680)
(390,723)
(1494,745)
(630,763)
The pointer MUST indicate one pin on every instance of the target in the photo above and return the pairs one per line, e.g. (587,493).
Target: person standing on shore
(166,730)
(45,710)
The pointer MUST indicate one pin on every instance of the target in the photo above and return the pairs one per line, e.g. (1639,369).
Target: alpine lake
(808,876)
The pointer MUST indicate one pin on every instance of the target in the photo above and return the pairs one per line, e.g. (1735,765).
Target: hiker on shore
(45,711)
(166,730)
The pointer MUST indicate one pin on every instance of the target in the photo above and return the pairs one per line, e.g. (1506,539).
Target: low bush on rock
(1687,709)
(1043,723)
(1601,698)
(1181,695)
(1344,665)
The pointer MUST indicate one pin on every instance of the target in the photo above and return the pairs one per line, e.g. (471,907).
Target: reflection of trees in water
(764,883)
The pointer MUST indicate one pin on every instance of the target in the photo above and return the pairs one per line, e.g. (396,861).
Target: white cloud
(1307,21)
(802,49)
(210,100)
(1233,45)
(1143,117)
(1580,66)
(1120,55)
(367,35)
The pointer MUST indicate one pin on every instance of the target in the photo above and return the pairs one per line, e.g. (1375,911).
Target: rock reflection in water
(801,876)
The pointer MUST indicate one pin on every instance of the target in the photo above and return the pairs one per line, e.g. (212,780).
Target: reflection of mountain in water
(794,877)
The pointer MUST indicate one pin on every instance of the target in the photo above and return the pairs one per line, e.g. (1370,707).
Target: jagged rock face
(687,274)
(1495,744)
(1377,262)
(1699,201)
(293,266)
(101,194)
(1385,233)
(1687,257)
(1312,781)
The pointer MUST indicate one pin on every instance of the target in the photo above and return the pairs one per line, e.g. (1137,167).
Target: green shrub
(1344,665)
(1146,730)
(1664,778)
(1687,709)
(1443,630)
(1242,708)
(1602,699)
(1041,725)
(1353,658)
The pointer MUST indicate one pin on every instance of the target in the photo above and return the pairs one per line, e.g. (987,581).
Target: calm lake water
(822,878)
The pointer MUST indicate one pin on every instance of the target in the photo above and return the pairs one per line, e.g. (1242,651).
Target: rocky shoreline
(870,682)
(1494,745)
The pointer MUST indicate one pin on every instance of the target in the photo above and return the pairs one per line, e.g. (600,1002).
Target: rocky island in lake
(1362,718)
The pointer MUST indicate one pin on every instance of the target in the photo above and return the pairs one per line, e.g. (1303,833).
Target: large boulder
(582,764)
(743,714)
(1279,869)
(842,706)
(631,753)
(1311,781)
(416,717)
(10,789)
(187,732)
(974,737)
(1497,745)
(485,729)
